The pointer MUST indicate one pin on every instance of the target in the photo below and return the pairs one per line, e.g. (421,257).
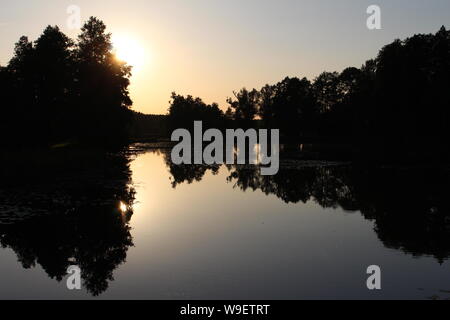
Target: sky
(210,48)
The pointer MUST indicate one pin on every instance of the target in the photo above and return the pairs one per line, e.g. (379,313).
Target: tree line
(57,90)
(396,105)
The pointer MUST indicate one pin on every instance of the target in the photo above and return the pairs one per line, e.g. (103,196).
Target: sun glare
(129,50)
(123,207)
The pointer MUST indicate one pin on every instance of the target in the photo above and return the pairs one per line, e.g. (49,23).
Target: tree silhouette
(410,99)
(266,103)
(183,111)
(326,91)
(293,106)
(59,90)
(18,110)
(53,79)
(102,82)
(384,109)
(245,104)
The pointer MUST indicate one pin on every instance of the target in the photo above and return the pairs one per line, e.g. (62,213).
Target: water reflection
(79,212)
(78,217)
(409,206)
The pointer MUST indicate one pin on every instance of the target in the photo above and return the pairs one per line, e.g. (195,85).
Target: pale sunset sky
(209,48)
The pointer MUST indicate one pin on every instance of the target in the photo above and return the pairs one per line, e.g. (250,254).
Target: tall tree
(266,101)
(20,110)
(53,81)
(326,91)
(102,85)
(183,111)
(293,107)
(245,104)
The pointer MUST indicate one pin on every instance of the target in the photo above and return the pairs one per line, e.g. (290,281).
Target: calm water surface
(159,231)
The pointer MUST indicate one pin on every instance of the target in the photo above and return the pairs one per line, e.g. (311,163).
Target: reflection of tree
(190,173)
(186,172)
(288,185)
(85,225)
(409,206)
(293,185)
(410,209)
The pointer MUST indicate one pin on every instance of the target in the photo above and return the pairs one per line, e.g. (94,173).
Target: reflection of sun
(128,50)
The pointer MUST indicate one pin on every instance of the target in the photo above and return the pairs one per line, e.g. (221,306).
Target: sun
(129,50)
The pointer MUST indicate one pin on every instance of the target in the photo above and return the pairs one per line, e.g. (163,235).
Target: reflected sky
(210,240)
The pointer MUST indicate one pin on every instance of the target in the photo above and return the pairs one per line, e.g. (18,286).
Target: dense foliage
(395,105)
(56,90)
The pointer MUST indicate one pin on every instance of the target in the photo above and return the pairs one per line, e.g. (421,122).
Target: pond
(140,227)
